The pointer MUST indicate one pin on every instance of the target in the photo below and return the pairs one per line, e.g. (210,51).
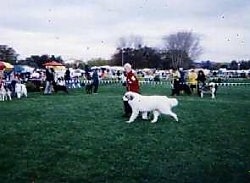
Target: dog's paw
(129,121)
(153,121)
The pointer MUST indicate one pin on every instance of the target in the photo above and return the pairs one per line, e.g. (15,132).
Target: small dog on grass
(59,88)
(210,88)
(185,88)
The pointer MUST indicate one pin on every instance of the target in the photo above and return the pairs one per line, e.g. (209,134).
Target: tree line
(180,49)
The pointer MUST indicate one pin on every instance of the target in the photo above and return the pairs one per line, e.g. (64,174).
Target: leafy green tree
(8,54)
(233,65)
(39,61)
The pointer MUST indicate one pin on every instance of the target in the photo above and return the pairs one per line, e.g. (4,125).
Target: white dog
(5,93)
(21,90)
(210,88)
(157,104)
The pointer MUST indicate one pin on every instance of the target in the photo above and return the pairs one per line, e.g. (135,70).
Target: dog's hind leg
(170,113)
(156,115)
(9,95)
(133,116)
(144,115)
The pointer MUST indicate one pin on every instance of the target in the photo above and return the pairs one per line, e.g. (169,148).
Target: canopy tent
(52,63)
(55,65)
(2,66)
(27,69)
(18,69)
(6,66)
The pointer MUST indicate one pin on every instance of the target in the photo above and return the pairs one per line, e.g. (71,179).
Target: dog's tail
(173,102)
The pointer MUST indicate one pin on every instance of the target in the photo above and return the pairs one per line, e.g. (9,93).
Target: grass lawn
(84,138)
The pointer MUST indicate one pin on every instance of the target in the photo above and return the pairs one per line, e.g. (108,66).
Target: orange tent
(53,63)
(5,66)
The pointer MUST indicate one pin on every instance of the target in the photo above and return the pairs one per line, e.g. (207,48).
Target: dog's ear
(131,97)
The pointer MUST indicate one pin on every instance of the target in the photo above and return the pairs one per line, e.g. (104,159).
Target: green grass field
(84,138)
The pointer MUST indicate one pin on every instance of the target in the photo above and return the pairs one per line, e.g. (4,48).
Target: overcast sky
(85,29)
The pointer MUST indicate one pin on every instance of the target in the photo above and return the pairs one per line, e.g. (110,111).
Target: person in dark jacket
(175,82)
(50,78)
(48,81)
(95,79)
(67,77)
(201,80)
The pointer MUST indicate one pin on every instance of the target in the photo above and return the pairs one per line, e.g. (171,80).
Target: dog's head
(212,84)
(129,96)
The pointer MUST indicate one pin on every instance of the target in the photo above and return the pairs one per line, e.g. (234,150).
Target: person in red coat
(132,84)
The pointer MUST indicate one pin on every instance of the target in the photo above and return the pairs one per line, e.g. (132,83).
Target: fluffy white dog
(157,104)
(21,90)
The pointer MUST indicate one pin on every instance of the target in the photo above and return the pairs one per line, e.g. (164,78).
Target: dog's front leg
(156,115)
(213,93)
(201,94)
(133,116)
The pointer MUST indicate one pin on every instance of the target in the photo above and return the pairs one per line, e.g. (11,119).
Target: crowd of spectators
(76,78)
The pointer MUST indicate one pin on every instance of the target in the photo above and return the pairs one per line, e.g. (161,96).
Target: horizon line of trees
(180,49)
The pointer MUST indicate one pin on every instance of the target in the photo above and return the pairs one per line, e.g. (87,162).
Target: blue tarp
(18,69)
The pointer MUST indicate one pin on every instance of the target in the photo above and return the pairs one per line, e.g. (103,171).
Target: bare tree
(182,46)
(127,48)
(133,41)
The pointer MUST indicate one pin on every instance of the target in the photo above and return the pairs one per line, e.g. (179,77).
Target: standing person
(182,76)
(67,77)
(192,80)
(48,81)
(201,79)
(53,78)
(87,72)
(132,84)
(175,82)
(95,79)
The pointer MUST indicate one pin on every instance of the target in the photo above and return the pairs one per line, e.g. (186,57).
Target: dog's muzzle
(124,98)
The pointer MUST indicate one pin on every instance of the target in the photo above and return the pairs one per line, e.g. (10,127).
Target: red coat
(132,82)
